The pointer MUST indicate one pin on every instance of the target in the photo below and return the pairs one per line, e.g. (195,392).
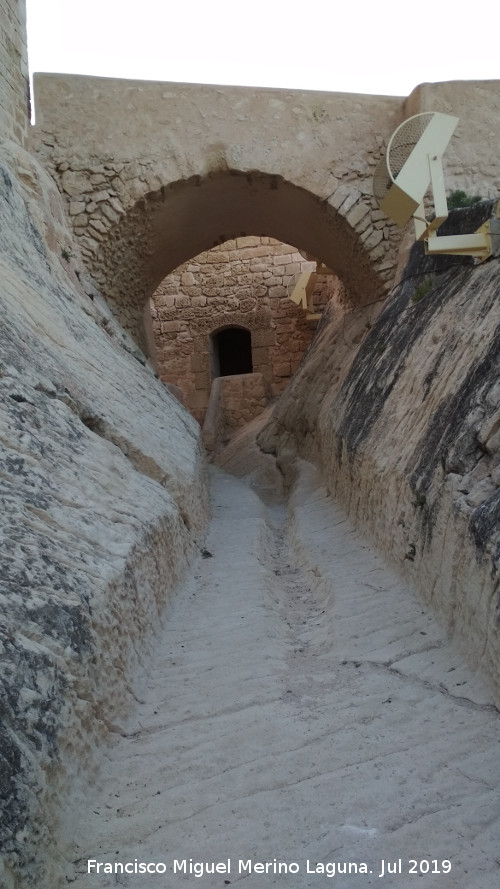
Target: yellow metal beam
(302,292)
(477,244)
(423,166)
(420,222)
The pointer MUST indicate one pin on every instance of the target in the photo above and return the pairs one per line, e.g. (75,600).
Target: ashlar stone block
(357,213)
(260,355)
(265,337)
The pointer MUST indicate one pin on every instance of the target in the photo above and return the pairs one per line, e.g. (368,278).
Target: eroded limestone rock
(407,436)
(103,499)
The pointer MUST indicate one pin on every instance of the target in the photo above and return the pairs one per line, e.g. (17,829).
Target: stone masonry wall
(244,283)
(471,161)
(200,162)
(14,82)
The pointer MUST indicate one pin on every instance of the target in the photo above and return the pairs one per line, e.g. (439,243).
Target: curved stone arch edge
(373,242)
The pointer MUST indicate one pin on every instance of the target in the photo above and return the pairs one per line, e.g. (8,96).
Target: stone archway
(168,226)
(201,165)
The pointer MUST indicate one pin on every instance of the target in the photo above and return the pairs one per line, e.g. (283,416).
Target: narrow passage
(303,707)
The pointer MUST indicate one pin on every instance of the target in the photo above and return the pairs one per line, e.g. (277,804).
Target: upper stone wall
(186,166)
(471,161)
(196,129)
(319,139)
(14,82)
(155,173)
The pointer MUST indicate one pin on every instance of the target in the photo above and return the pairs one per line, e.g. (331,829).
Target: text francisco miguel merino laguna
(247,866)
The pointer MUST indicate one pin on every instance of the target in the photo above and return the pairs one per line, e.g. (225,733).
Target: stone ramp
(299,708)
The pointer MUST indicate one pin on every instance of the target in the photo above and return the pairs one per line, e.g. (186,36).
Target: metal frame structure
(413,163)
(302,293)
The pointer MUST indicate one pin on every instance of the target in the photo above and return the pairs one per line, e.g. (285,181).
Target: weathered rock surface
(302,706)
(102,486)
(408,437)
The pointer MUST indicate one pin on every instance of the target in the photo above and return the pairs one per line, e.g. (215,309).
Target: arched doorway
(231,352)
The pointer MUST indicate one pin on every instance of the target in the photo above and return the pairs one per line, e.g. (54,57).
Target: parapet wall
(472,160)
(14,82)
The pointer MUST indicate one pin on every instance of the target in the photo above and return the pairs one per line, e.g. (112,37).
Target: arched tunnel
(171,225)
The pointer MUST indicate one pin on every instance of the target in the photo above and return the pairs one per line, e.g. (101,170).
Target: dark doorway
(231,352)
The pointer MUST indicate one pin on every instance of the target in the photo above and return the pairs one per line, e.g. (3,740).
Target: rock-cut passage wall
(14,79)
(408,435)
(102,505)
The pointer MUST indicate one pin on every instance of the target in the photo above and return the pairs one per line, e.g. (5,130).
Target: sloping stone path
(302,706)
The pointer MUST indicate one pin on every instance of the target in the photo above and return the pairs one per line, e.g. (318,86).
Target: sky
(361,46)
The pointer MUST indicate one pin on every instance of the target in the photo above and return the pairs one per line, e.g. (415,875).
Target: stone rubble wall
(242,283)
(124,196)
(118,190)
(98,199)
(402,415)
(103,498)
(14,82)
